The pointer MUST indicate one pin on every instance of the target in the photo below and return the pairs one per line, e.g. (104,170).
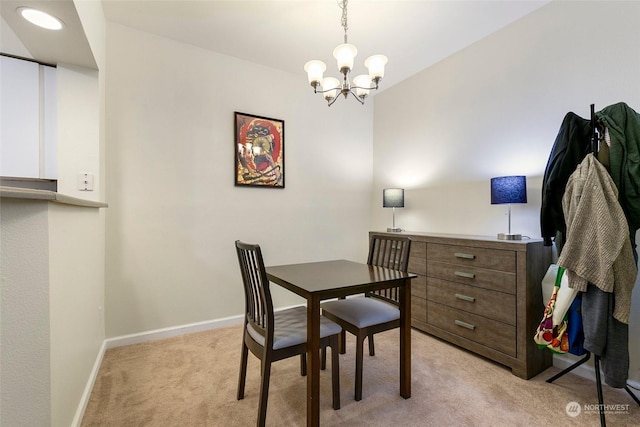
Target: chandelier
(330,87)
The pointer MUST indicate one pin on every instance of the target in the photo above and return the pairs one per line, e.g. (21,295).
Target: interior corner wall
(174,212)
(76,292)
(495,109)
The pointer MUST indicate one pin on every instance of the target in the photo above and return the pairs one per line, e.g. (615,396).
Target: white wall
(94,26)
(174,212)
(495,109)
(25,373)
(78,130)
(76,252)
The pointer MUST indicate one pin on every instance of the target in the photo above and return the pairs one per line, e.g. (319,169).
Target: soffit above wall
(69,46)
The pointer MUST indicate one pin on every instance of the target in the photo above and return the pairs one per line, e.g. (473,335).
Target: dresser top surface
(465,239)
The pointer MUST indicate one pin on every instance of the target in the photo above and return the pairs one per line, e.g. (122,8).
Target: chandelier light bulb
(363,85)
(330,88)
(315,69)
(344,54)
(375,64)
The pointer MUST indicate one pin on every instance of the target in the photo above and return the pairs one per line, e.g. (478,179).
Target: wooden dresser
(482,294)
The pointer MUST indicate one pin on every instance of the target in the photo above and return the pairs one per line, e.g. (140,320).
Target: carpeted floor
(191,381)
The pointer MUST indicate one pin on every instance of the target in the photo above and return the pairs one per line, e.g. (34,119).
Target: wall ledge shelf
(47,195)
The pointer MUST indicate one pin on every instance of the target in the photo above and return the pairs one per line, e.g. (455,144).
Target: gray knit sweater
(597,249)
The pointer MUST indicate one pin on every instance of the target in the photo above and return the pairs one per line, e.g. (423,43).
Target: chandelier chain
(343,6)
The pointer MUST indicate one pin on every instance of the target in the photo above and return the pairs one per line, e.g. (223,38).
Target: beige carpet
(191,381)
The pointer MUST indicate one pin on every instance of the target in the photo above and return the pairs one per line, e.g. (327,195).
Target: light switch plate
(85,182)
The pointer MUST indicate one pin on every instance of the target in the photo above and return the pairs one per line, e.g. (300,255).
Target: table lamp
(508,190)
(393,198)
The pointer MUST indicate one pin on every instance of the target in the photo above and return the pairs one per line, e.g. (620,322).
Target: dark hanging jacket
(571,146)
(623,124)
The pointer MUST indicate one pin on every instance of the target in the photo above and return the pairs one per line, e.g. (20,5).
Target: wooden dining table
(318,281)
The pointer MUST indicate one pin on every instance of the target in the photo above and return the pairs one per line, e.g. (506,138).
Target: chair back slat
(258,302)
(389,252)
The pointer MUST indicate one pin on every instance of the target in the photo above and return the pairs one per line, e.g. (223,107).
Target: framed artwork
(259,151)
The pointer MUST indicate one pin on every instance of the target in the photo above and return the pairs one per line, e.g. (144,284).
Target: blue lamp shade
(393,198)
(508,189)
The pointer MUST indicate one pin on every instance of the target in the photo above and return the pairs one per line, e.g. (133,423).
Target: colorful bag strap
(559,276)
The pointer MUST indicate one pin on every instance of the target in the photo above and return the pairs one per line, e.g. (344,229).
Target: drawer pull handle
(465,298)
(465,324)
(465,256)
(463,274)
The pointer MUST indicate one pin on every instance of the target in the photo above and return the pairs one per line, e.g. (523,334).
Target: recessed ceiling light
(41,19)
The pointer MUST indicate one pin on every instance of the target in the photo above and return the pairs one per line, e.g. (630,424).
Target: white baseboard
(140,338)
(86,394)
(173,331)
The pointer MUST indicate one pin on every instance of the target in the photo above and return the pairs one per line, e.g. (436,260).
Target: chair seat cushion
(362,312)
(290,328)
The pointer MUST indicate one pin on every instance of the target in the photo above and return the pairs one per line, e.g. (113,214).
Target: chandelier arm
(361,101)
(332,101)
(325,91)
(366,88)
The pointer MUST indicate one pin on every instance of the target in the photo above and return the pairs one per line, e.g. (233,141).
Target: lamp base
(509,236)
(394,230)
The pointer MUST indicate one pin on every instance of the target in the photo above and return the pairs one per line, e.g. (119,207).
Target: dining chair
(273,336)
(378,311)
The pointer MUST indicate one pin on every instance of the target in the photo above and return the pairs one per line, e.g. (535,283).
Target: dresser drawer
(419,298)
(419,309)
(494,259)
(418,258)
(494,305)
(471,275)
(487,332)
(419,287)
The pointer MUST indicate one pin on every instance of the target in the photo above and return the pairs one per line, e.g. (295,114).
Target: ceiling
(284,34)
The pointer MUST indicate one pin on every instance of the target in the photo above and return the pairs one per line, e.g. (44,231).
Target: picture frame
(259,151)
